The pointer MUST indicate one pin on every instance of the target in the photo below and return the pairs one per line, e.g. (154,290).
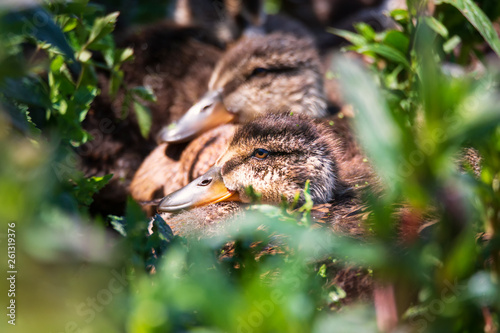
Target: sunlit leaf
(386,52)
(436,26)
(349,36)
(102,27)
(144,118)
(365,30)
(125,55)
(451,44)
(87,187)
(400,15)
(478,19)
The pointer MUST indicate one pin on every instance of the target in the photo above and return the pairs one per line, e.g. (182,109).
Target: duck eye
(259,71)
(205,182)
(260,153)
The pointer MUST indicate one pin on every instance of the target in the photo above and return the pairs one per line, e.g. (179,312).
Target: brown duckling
(259,74)
(276,154)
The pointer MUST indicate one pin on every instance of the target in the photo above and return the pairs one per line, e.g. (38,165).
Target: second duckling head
(260,73)
(275,154)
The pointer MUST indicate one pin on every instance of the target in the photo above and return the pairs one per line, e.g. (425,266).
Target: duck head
(276,155)
(260,73)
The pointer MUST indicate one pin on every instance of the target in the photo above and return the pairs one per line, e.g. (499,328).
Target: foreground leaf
(144,118)
(478,19)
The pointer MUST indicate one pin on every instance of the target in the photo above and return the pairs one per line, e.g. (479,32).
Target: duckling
(175,60)
(260,73)
(276,155)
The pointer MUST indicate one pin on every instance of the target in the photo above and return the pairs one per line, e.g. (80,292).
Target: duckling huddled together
(225,61)
(256,126)
(241,109)
(275,155)
(261,74)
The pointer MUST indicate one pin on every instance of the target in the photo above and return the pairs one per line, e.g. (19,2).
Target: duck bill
(204,190)
(209,112)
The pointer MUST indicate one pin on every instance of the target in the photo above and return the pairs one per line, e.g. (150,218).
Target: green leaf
(437,26)
(255,197)
(397,40)
(479,20)
(56,64)
(12,66)
(28,90)
(352,37)
(19,117)
(115,82)
(144,118)
(70,25)
(365,30)
(385,51)
(378,132)
(87,187)
(308,205)
(451,44)
(160,238)
(478,124)
(322,271)
(144,93)
(400,15)
(136,222)
(83,97)
(163,228)
(337,294)
(124,55)
(23,23)
(70,8)
(118,223)
(102,26)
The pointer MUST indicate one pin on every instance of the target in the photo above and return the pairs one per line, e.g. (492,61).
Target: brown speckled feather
(203,152)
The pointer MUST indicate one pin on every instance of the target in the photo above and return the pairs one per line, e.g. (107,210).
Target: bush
(418,109)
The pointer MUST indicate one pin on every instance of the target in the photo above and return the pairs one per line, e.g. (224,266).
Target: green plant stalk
(495,227)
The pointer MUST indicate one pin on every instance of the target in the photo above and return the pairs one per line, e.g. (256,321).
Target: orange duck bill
(204,190)
(209,112)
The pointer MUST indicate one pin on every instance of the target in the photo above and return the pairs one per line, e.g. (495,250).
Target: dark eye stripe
(235,83)
(237,161)
(261,72)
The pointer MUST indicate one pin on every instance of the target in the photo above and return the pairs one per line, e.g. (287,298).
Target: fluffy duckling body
(276,155)
(260,73)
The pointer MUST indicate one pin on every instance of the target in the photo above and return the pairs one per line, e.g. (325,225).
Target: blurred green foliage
(417,107)
(139,12)
(70,267)
(415,123)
